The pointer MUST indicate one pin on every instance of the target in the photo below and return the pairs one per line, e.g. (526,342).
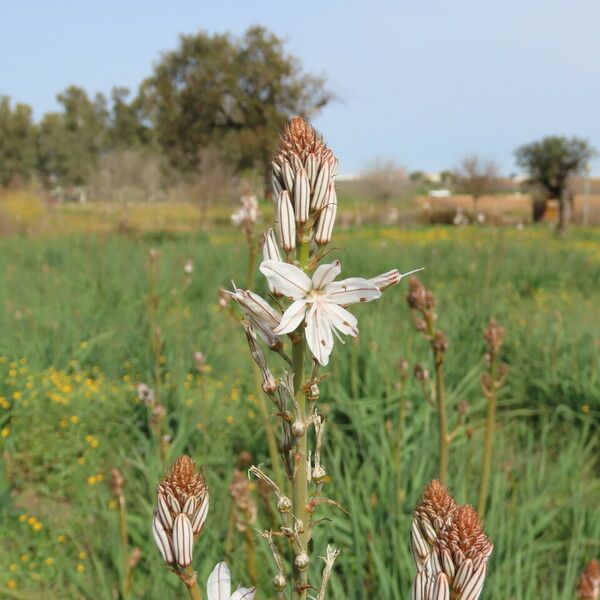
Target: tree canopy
(550,162)
(232,94)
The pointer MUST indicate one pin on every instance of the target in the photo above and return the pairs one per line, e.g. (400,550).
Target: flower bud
(326,220)
(301,196)
(301,561)
(286,222)
(284,504)
(298,429)
(321,187)
(279,582)
(181,509)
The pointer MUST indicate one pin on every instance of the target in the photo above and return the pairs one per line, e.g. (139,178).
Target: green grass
(76,337)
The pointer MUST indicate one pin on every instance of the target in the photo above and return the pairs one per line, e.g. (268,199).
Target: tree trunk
(564,213)
(538,208)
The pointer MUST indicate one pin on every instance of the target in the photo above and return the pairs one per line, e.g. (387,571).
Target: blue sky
(422,82)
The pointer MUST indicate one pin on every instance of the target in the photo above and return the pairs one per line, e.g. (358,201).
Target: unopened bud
(286,221)
(301,561)
(298,429)
(421,373)
(284,504)
(326,220)
(279,582)
(313,393)
(301,196)
(319,474)
(440,342)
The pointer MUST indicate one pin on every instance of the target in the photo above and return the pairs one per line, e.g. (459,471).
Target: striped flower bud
(305,168)
(326,220)
(180,513)
(301,196)
(320,189)
(286,222)
(461,552)
(432,514)
(270,248)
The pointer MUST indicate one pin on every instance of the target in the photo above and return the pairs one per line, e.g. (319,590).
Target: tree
(233,95)
(70,142)
(550,162)
(476,176)
(17,143)
(126,129)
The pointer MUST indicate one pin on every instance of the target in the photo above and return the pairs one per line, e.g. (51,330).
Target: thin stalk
(189,578)
(440,398)
(251,556)
(488,441)
(269,430)
(300,483)
(124,544)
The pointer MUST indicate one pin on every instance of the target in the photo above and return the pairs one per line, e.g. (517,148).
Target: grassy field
(78,315)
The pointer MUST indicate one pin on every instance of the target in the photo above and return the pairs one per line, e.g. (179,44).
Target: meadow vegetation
(78,316)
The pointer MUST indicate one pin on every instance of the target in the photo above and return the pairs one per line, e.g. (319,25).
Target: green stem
(192,584)
(269,430)
(301,476)
(488,442)
(440,397)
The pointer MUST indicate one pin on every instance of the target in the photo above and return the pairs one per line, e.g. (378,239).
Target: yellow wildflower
(5,432)
(80,568)
(11,584)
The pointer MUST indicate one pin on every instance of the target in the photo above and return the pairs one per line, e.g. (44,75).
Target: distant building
(443,193)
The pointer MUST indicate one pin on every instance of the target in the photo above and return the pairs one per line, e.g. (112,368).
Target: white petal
(288,279)
(341,319)
(183,540)
(318,334)
(243,594)
(292,317)
(326,274)
(219,583)
(351,291)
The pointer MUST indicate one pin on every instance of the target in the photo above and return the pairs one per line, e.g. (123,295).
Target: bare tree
(476,176)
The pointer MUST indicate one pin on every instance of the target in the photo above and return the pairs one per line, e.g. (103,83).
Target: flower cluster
(311,311)
(180,513)
(449,546)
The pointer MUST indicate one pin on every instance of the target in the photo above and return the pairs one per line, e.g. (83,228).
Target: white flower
(219,586)
(319,302)
(247,214)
